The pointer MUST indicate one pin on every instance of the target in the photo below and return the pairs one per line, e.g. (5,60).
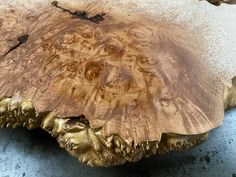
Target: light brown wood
(130,70)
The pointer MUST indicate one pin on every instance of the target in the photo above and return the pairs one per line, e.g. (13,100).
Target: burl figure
(116,81)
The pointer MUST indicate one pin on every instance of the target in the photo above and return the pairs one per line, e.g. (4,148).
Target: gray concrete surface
(34,154)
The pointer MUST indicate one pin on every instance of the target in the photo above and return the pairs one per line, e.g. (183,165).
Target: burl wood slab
(116,81)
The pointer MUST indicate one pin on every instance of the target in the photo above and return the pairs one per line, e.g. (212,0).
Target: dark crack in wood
(219,2)
(82,15)
(21,40)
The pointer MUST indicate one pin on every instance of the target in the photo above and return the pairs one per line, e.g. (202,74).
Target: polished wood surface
(128,73)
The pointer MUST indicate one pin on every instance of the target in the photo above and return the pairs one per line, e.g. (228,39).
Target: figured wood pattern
(129,75)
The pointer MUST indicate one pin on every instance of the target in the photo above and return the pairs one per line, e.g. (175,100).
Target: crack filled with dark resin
(219,2)
(82,15)
(21,40)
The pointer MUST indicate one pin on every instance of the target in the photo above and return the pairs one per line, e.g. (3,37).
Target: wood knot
(87,35)
(69,38)
(143,62)
(93,70)
(72,67)
(113,50)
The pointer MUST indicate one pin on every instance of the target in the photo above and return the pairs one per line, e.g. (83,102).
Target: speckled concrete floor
(24,153)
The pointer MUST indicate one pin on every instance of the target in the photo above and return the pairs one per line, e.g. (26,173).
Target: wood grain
(129,74)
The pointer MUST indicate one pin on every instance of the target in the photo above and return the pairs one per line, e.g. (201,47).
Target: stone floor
(25,153)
